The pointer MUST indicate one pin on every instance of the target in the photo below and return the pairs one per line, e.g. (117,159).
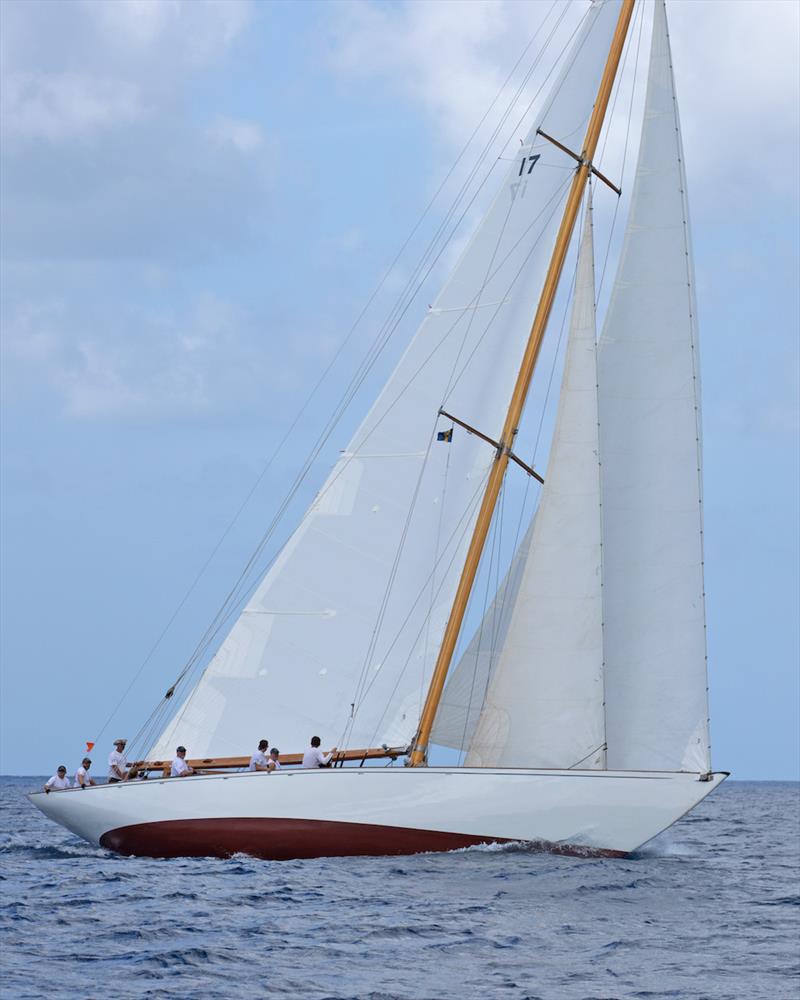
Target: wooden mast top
(497,474)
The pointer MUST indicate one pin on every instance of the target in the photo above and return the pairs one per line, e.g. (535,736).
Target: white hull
(352,811)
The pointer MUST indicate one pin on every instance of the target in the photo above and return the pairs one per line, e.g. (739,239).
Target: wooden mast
(481,530)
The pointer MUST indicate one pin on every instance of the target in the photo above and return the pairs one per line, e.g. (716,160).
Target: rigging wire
(502,610)
(463,525)
(557,351)
(345,401)
(624,150)
(555,201)
(234,520)
(234,595)
(229,608)
(393,573)
(392,576)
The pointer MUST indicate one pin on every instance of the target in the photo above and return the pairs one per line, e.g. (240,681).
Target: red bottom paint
(287,839)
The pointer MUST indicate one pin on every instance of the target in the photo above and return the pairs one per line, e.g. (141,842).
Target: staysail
(544,702)
(341,634)
(649,401)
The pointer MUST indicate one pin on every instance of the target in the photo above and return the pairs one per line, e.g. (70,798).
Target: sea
(710,909)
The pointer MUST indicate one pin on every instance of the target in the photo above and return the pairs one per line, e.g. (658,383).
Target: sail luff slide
(583,717)
(521,387)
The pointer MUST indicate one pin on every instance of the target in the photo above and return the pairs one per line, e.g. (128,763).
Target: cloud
(736,70)
(449,58)
(62,105)
(125,186)
(201,28)
(242,135)
(75,68)
(102,153)
(735,63)
(141,360)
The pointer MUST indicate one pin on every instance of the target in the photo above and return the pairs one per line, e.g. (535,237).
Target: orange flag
(89,746)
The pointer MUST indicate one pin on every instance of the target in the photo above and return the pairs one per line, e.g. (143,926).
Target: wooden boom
(213,764)
(498,471)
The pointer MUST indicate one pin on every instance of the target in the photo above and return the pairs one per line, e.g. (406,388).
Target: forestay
(655,666)
(544,704)
(318,648)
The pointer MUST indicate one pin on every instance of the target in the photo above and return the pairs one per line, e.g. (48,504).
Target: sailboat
(578,710)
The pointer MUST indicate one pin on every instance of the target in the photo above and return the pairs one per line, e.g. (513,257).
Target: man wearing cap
(58,781)
(82,779)
(259,762)
(180,769)
(116,763)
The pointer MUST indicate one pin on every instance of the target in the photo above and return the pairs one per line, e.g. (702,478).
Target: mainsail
(649,397)
(341,634)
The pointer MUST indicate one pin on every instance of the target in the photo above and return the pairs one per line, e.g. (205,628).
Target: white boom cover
(316,637)
(649,403)
(544,704)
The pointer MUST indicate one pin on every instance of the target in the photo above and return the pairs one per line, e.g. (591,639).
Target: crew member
(58,781)
(116,763)
(314,757)
(259,762)
(273,763)
(180,769)
(82,779)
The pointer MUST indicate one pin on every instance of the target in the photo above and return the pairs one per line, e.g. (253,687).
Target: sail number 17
(528,159)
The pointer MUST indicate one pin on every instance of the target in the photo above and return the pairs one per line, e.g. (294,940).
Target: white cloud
(102,152)
(74,68)
(449,57)
(57,106)
(736,77)
(200,28)
(242,135)
(143,360)
(735,65)
(112,160)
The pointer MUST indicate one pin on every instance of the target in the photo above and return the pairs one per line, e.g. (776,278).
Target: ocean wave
(499,921)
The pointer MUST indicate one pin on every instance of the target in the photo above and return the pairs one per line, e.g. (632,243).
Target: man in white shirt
(273,764)
(180,769)
(259,762)
(116,763)
(58,781)
(82,779)
(314,757)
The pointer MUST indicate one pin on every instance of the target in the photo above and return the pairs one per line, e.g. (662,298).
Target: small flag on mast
(445,435)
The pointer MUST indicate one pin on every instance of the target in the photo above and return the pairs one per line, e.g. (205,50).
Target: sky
(199,197)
